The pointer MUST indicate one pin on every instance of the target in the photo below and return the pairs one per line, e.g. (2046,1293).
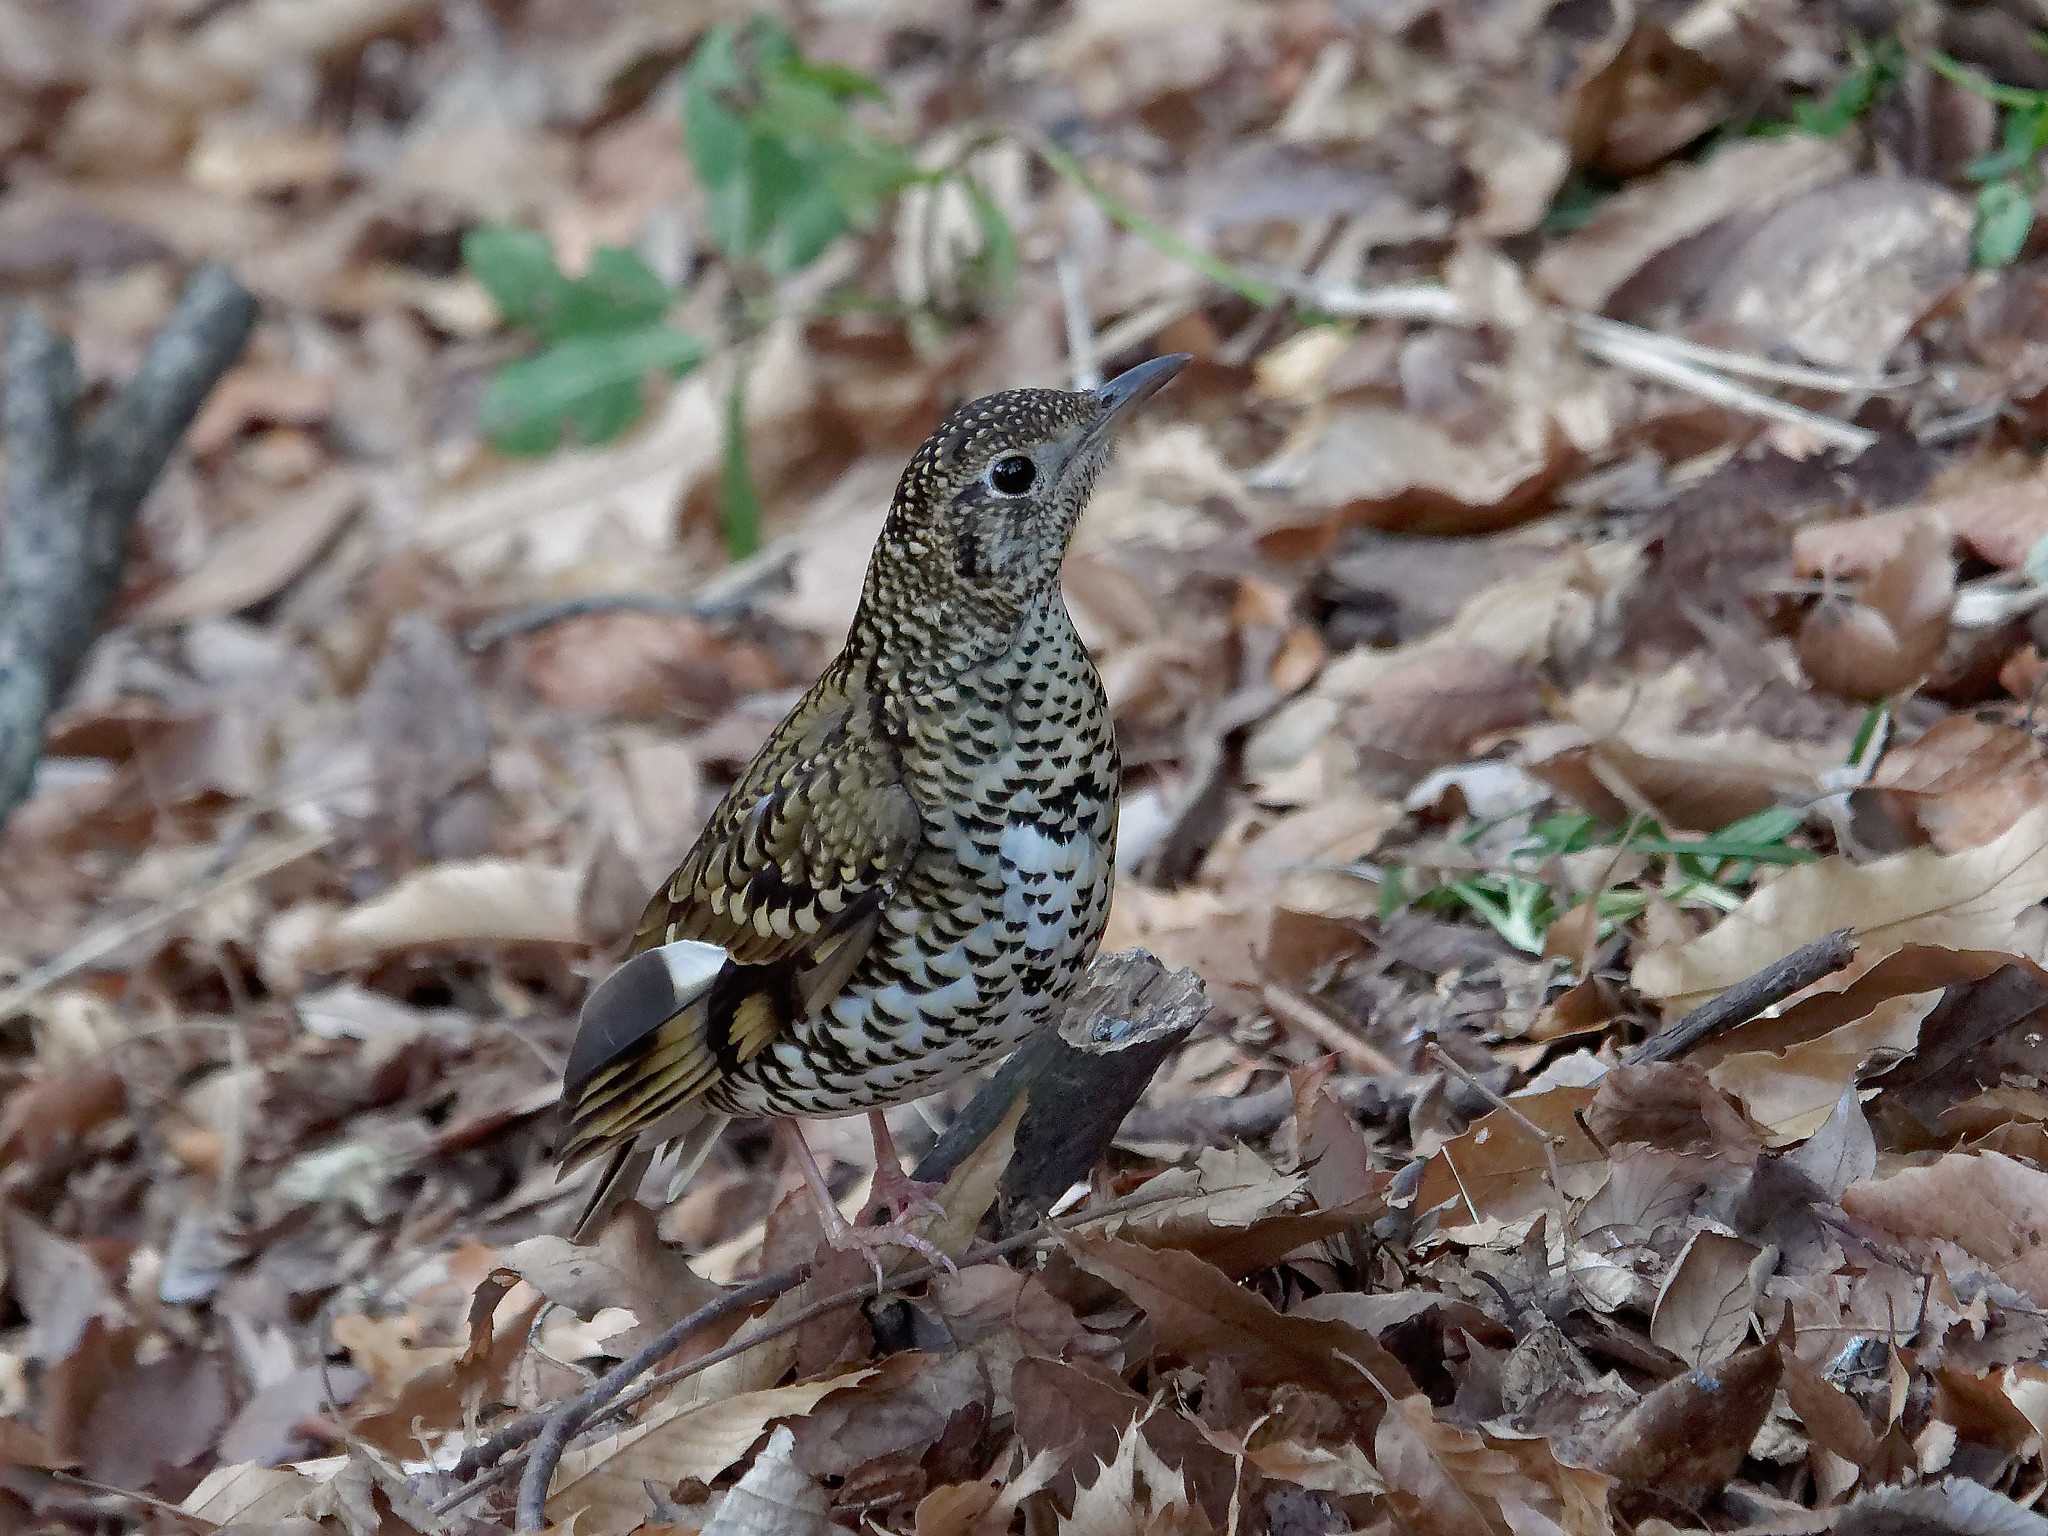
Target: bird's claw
(870,1241)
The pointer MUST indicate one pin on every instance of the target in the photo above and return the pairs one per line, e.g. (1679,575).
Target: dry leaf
(628,1266)
(1791,1093)
(256,558)
(600,1481)
(1984,1204)
(775,1498)
(1687,1439)
(1890,634)
(1703,1311)
(1963,901)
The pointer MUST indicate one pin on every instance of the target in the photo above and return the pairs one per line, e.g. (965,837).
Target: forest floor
(1598,549)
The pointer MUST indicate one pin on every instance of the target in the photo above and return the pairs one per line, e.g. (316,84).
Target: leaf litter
(1597,551)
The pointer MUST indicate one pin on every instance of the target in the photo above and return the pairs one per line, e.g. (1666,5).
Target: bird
(912,873)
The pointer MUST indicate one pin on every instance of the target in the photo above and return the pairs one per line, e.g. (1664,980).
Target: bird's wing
(787,881)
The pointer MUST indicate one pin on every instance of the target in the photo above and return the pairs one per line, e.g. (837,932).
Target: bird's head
(984,511)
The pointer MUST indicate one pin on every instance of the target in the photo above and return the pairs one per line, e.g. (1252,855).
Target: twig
(106,940)
(1084,367)
(1745,364)
(1305,1015)
(73,494)
(1700,370)
(1667,369)
(609,1397)
(1544,1139)
(730,592)
(1746,999)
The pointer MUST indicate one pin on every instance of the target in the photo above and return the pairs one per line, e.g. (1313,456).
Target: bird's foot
(894,1195)
(869,1241)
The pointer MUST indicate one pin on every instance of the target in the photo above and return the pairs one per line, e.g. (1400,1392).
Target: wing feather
(787,881)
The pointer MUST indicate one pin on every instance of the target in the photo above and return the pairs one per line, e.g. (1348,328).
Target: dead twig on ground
(724,596)
(494,1460)
(73,493)
(1748,998)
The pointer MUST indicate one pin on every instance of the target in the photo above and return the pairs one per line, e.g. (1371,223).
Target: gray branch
(72,494)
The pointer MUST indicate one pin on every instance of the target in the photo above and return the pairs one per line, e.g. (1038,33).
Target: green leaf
(739,502)
(839,81)
(1872,71)
(517,268)
(591,384)
(619,292)
(2005,217)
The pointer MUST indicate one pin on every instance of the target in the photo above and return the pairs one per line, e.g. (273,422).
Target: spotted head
(984,511)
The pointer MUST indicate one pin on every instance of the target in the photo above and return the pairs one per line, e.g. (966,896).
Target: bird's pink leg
(839,1232)
(893,1190)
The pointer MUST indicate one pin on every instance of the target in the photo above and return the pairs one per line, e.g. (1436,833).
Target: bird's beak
(1133,387)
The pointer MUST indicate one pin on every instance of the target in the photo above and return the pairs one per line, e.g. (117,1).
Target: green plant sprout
(2010,176)
(1521,906)
(788,170)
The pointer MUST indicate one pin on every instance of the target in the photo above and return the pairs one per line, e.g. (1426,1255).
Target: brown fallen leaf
(1136,1494)
(1201,1314)
(602,1480)
(775,1498)
(1704,1310)
(255,559)
(1791,1093)
(1962,784)
(1842,274)
(1687,1439)
(1497,1169)
(628,1266)
(1654,213)
(1437,1473)
(474,901)
(1985,1205)
(1889,635)
(1963,901)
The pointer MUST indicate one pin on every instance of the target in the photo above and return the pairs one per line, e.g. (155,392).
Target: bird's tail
(626,1167)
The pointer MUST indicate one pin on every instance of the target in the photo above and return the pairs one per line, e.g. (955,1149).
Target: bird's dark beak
(1134,386)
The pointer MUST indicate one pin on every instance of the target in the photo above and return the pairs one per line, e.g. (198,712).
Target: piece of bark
(1081,1079)
(73,492)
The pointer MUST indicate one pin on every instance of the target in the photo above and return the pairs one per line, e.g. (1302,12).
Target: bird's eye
(1012,474)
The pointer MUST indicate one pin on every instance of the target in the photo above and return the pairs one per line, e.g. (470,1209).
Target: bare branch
(72,495)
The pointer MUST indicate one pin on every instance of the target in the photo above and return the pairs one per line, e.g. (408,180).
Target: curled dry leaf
(1962,784)
(476,901)
(1687,1439)
(775,1498)
(1890,634)
(1791,1093)
(1963,901)
(603,1481)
